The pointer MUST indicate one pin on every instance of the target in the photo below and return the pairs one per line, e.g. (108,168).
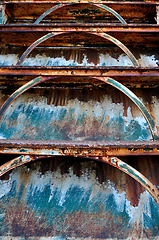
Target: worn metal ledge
(79,148)
(93,27)
(80,71)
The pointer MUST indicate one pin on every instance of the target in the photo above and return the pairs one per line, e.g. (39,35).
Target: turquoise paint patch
(61,123)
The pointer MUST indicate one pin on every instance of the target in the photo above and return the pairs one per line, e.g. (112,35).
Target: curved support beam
(97,5)
(18,162)
(103,35)
(137,102)
(107,80)
(19,91)
(132,172)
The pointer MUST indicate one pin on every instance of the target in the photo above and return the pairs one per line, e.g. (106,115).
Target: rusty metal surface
(94,27)
(74,148)
(139,72)
(110,81)
(100,6)
(76,199)
(16,162)
(139,13)
(54,34)
(24,39)
(116,162)
(65,196)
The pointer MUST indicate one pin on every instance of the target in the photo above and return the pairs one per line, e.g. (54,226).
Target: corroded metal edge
(80,71)
(20,160)
(116,162)
(78,148)
(92,4)
(103,35)
(137,102)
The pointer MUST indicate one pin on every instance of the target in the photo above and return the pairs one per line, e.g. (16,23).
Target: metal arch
(93,4)
(132,172)
(114,161)
(6,167)
(103,35)
(107,80)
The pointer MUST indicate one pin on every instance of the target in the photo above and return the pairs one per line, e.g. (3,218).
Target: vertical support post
(157,13)
(2,13)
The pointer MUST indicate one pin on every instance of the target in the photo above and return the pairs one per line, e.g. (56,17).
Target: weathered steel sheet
(74,114)
(20,13)
(97,57)
(70,198)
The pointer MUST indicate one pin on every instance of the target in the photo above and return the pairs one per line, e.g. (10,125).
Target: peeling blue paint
(60,204)
(70,122)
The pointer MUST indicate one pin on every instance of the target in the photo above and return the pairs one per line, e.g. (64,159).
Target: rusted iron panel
(103,35)
(77,114)
(78,39)
(109,81)
(84,11)
(113,161)
(76,199)
(82,57)
(136,13)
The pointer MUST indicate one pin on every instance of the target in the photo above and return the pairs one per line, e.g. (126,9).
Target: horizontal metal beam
(78,148)
(95,27)
(80,71)
(154,2)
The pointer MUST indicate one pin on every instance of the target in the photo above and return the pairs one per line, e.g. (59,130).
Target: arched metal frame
(113,161)
(18,161)
(103,35)
(102,6)
(107,80)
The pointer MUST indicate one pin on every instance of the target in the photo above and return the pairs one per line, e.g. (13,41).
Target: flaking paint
(30,117)
(63,201)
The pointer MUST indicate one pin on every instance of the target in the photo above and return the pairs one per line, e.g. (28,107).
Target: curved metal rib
(103,35)
(116,162)
(19,91)
(93,4)
(107,80)
(137,102)
(18,162)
